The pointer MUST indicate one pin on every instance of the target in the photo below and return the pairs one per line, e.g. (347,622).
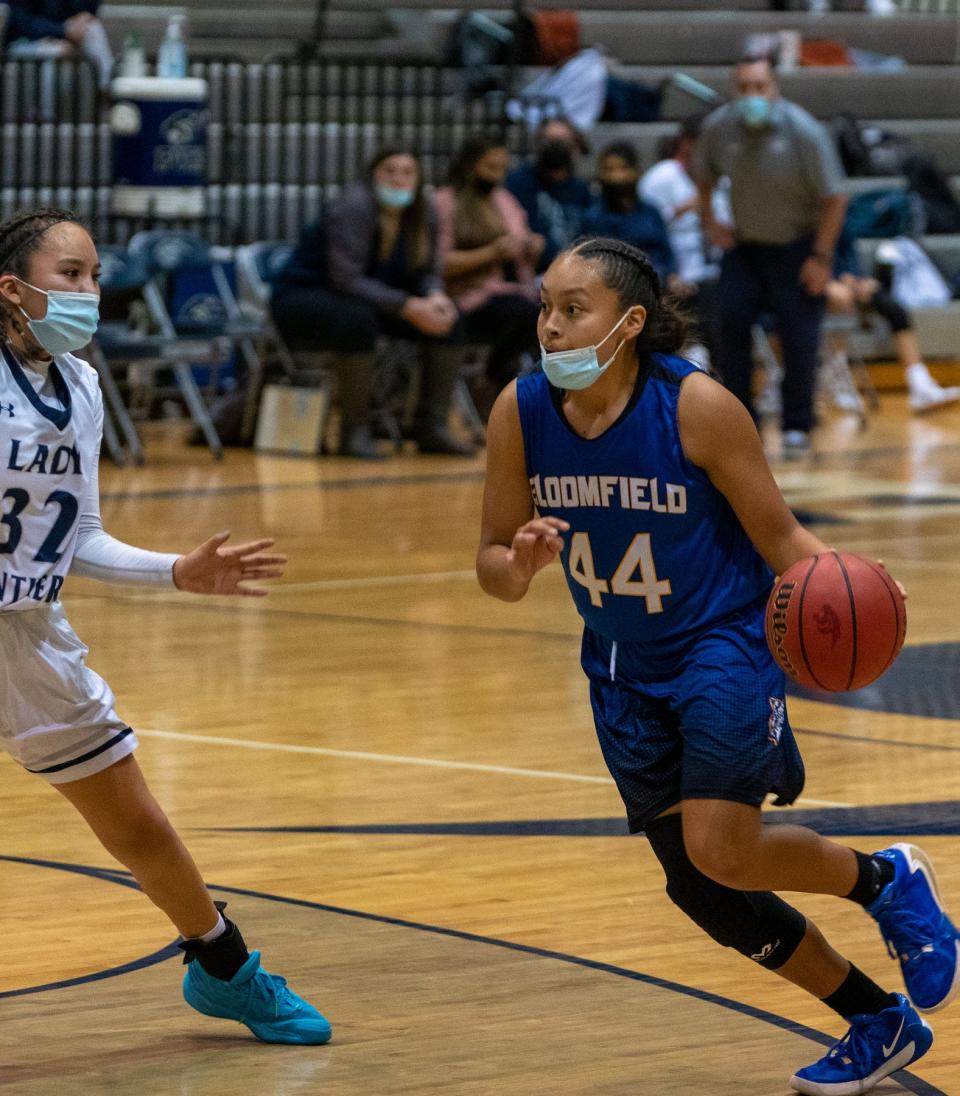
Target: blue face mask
(70,323)
(579,368)
(754,110)
(394,197)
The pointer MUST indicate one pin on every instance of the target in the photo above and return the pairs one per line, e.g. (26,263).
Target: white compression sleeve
(103,557)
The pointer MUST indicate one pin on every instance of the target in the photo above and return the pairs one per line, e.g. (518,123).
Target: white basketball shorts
(56,715)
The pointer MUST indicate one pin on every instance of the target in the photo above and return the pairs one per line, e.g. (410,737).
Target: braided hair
(626,270)
(20,238)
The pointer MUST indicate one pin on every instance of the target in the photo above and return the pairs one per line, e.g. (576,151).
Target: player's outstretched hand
(535,545)
(215,569)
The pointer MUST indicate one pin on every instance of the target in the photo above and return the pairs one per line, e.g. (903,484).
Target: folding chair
(125,277)
(213,315)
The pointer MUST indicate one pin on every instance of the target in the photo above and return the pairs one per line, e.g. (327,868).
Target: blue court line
(806,517)
(870,741)
(416,479)
(907,1080)
(940,818)
(151,960)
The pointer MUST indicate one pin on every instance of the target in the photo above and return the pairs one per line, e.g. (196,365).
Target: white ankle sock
(215,933)
(918,376)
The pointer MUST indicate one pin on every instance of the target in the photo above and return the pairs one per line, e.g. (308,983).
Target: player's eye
(573,309)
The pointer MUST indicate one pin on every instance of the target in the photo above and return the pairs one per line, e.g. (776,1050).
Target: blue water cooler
(159,128)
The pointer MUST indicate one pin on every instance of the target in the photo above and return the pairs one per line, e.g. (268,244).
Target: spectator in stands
(371,267)
(489,258)
(553,196)
(56,28)
(786,193)
(849,293)
(669,187)
(621,214)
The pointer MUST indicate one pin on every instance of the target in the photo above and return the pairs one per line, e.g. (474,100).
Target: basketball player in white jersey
(57,716)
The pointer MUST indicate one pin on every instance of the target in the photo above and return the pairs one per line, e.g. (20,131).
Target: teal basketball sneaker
(917,930)
(260,1000)
(873,1048)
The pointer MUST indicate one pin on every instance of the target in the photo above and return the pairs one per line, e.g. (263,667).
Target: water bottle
(133,62)
(172,58)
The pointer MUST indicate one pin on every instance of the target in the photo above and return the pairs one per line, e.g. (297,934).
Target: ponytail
(627,270)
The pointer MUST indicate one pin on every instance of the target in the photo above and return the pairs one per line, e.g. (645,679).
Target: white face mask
(578,368)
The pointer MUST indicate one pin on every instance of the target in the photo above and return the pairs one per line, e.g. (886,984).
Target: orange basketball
(835,621)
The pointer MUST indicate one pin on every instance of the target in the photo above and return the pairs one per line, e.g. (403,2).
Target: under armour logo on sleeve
(8,407)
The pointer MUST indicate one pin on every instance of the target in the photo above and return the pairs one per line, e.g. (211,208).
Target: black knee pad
(758,924)
(892,311)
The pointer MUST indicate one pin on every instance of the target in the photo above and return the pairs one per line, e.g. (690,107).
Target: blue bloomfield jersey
(655,553)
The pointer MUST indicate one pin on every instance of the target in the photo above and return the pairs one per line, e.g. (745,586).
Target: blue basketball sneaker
(262,1001)
(873,1048)
(917,929)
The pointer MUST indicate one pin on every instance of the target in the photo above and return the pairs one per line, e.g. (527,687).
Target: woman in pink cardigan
(488,256)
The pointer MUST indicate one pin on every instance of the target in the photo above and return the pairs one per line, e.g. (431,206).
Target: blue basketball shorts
(706,721)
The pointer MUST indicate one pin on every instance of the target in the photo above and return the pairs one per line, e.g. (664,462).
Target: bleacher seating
(283,136)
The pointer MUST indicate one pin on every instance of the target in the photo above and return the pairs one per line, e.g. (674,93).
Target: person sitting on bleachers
(371,267)
(58,28)
(849,293)
(489,258)
(553,196)
(620,213)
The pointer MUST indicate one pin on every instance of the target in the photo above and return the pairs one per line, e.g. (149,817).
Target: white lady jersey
(57,716)
(49,498)
(48,453)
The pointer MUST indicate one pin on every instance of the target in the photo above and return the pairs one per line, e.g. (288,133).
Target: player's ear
(635,322)
(10,289)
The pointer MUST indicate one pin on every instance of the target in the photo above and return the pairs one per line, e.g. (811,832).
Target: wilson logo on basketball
(828,624)
(778,624)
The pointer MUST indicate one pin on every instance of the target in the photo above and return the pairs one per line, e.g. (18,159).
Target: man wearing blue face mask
(788,207)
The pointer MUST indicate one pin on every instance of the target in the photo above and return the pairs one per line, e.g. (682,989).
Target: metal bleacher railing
(282,137)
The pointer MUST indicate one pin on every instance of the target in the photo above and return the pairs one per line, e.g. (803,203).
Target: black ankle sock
(221,958)
(875,872)
(859,994)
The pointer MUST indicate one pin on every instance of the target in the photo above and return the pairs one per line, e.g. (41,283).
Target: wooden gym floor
(395,783)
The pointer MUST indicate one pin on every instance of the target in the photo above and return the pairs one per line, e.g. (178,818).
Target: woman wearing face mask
(648,480)
(552,194)
(620,213)
(57,716)
(489,256)
(370,267)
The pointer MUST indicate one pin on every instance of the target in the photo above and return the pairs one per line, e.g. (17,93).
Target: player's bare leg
(121,810)
(223,979)
(729,843)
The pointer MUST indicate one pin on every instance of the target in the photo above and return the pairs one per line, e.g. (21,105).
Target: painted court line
(373,580)
(402,759)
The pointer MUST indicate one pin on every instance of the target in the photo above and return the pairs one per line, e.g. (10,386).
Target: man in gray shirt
(786,194)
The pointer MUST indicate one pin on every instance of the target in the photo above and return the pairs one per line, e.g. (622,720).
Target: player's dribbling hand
(215,569)
(900,585)
(535,545)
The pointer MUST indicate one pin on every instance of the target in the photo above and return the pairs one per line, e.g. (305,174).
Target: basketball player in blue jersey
(648,480)
(57,716)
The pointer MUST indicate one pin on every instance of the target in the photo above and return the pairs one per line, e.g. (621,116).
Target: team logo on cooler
(778,717)
(828,624)
(184,127)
